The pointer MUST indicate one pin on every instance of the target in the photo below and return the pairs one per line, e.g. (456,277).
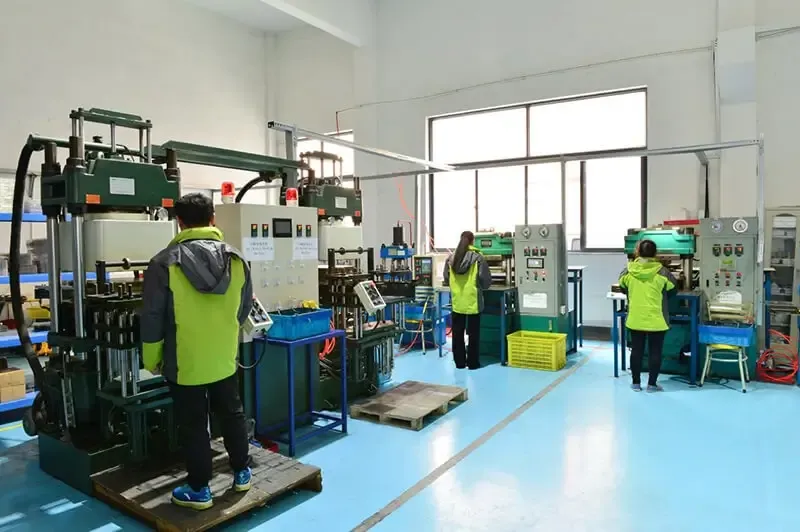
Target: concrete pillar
(735,75)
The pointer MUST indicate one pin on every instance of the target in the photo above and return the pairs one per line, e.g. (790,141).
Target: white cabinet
(782,251)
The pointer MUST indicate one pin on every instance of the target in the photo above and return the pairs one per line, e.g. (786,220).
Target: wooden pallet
(146,492)
(409,403)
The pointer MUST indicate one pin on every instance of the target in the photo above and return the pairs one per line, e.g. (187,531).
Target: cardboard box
(12,393)
(12,377)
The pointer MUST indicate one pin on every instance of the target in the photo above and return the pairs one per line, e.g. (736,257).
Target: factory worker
(197,293)
(648,284)
(467,274)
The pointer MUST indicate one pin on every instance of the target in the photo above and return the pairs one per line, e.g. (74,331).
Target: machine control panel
(280,243)
(429,269)
(258,321)
(728,251)
(541,271)
(370,297)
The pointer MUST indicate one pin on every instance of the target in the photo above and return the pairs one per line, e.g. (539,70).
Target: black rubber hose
(253,182)
(13,268)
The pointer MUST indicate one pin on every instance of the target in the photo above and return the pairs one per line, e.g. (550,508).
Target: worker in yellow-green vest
(648,284)
(467,274)
(197,294)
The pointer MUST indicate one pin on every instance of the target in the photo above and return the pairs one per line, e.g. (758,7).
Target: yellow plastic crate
(537,350)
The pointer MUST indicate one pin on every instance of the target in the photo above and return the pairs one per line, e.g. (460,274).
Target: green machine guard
(668,241)
(489,243)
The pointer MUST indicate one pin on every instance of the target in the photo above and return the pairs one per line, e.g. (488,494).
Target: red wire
(330,343)
(778,376)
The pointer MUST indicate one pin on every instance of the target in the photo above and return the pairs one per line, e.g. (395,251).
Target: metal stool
(725,354)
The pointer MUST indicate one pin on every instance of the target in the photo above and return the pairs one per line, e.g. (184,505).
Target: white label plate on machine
(305,249)
(258,249)
(340,202)
(537,300)
(122,186)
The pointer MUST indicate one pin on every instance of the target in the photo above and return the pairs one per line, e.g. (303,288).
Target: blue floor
(589,455)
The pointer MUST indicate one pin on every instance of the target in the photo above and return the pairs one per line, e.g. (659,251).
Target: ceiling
(253,13)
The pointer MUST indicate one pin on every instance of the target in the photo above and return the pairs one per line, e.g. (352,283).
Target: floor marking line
(431,477)
(12,427)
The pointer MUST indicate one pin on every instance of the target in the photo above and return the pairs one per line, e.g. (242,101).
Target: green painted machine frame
(149,178)
(500,244)
(680,241)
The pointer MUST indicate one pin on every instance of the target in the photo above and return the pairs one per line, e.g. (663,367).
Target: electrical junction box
(336,235)
(281,245)
(728,248)
(540,256)
(429,269)
(258,321)
(115,236)
(369,296)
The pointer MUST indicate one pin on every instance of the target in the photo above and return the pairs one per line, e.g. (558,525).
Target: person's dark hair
(647,249)
(195,210)
(466,240)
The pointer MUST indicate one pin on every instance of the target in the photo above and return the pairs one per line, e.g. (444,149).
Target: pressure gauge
(740,225)
(716,226)
(544,231)
(526,232)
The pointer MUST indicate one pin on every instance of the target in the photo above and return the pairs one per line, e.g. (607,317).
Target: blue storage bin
(742,336)
(300,323)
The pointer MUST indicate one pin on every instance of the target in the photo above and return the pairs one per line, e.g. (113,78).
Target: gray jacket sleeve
(484,274)
(155,295)
(246,304)
(446,272)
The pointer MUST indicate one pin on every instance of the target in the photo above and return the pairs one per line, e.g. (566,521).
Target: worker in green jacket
(648,284)
(197,294)
(467,274)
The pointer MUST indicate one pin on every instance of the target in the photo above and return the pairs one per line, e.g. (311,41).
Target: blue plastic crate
(301,323)
(742,336)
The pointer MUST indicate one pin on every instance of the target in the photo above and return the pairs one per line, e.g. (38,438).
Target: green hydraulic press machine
(108,211)
(500,301)
(716,256)
(677,247)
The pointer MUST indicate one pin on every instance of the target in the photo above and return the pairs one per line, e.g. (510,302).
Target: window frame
(624,152)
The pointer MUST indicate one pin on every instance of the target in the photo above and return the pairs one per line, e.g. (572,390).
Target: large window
(305,145)
(503,197)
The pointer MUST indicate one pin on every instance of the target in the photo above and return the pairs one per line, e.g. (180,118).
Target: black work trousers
(191,405)
(655,345)
(471,324)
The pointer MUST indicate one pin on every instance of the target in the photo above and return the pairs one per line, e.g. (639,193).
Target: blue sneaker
(636,387)
(196,500)
(653,388)
(241,480)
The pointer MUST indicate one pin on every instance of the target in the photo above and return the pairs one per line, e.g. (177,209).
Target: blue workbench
(291,347)
(575,278)
(618,336)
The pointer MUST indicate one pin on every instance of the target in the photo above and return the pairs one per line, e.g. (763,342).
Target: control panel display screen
(424,266)
(486,243)
(282,227)
(535,264)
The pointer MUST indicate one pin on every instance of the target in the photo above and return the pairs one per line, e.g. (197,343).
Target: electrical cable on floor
(779,364)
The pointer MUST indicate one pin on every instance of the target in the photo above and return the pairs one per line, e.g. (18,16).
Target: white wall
(472,54)
(199,77)
(446,56)
(314,79)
